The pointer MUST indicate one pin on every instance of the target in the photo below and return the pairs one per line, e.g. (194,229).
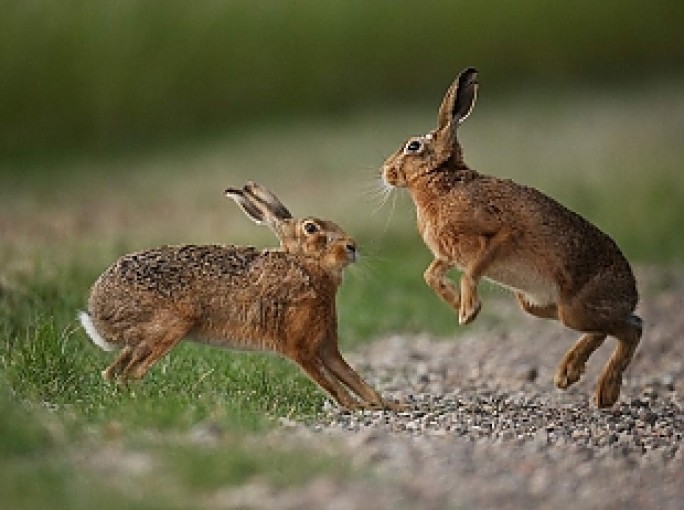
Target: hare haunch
(280,300)
(558,264)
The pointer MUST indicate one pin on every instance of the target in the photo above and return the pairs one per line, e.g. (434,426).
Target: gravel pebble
(487,428)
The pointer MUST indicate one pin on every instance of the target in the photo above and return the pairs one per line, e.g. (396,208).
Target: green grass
(49,460)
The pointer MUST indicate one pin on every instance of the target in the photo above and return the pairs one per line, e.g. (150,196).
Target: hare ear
(459,100)
(261,206)
(251,210)
(273,206)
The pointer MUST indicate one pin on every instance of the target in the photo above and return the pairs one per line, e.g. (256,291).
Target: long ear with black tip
(273,206)
(459,100)
(245,203)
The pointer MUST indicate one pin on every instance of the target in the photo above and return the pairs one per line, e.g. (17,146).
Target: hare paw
(608,389)
(568,374)
(468,311)
(398,407)
(351,405)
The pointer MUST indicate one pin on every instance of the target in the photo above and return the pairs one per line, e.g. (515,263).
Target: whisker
(379,190)
(365,270)
(375,188)
(391,214)
(383,200)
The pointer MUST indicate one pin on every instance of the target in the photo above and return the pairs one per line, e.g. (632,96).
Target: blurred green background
(121,122)
(103,74)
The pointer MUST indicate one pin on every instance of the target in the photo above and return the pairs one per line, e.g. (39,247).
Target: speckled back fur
(247,288)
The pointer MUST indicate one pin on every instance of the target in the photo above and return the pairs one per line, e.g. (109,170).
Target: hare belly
(237,344)
(235,337)
(538,289)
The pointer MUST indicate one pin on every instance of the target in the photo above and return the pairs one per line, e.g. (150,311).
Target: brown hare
(558,264)
(280,300)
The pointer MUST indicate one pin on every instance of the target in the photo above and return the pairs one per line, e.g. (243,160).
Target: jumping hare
(280,300)
(558,264)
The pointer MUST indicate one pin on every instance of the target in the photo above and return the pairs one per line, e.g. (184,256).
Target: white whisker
(379,190)
(391,214)
(365,270)
(383,200)
(375,189)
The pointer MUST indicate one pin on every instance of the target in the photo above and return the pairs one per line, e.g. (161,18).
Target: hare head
(313,237)
(423,155)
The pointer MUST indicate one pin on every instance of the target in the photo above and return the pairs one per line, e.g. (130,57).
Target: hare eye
(310,228)
(413,146)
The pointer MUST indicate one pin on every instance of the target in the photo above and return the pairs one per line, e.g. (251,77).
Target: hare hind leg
(119,364)
(598,318)
(156,339)
(147,354)
(608,387)
(573,364)
(549,311)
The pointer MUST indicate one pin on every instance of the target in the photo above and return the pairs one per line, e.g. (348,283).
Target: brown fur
(559,265)
(280,300)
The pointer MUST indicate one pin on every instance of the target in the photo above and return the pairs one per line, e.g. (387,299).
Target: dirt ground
(488,429)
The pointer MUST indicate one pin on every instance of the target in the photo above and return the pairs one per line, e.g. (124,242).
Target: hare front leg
(491,247)
(465,302)
(338,367)
(314,368)
(470,301)
(435,277)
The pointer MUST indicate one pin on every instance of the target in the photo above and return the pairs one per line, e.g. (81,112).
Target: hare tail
(94,335)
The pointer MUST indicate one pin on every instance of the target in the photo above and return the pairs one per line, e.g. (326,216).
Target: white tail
(89,327)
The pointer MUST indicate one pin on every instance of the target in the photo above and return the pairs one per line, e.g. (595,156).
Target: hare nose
(351,250)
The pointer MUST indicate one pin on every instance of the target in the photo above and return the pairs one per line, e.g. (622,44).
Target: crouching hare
(280,300)
(558,264)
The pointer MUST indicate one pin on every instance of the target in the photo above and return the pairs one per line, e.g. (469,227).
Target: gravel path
(489,430)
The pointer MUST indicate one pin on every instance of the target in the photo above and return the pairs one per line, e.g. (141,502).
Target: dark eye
(310,227)
(413,146)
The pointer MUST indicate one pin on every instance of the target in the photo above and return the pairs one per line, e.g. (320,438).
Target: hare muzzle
(352,254)
(390,177)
